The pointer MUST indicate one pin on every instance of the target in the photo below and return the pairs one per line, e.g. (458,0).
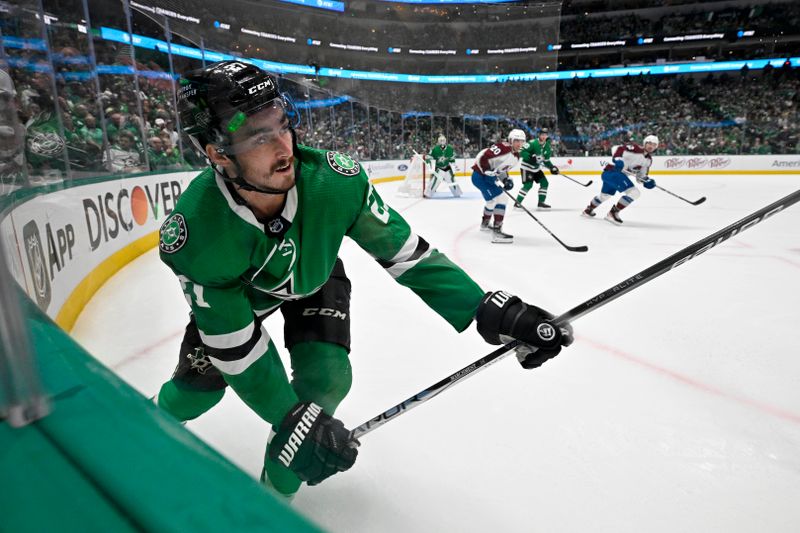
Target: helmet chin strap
(240,180)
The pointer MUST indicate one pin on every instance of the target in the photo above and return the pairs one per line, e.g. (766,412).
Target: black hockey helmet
(215,101)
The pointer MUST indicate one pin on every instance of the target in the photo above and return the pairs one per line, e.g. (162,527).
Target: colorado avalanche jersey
(496,158)
(637,161)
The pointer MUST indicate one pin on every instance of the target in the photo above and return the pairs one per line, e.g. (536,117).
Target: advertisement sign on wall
(55,240)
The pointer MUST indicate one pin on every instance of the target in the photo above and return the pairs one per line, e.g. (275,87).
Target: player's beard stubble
(279,176)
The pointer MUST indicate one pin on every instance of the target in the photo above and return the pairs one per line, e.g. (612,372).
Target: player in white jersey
(490,176)
(628,160)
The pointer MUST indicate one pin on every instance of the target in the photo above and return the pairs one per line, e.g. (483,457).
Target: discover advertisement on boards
(57,239)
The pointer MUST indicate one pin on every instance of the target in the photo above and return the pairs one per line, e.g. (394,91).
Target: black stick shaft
(648,274)
(434,390)
(678,258)
(576,181)
(562,243)
(696,202)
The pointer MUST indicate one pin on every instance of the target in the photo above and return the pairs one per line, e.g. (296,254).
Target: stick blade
(587,184)
(578,248)
(700,201)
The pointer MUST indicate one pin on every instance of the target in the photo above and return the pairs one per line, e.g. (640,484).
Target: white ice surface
(677,408)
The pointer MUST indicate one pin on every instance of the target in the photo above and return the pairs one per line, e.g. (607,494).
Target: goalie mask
(442,140)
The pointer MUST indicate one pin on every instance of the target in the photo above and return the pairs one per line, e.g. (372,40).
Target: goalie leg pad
(434,182)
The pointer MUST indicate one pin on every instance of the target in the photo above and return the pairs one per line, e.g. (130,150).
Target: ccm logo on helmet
(255,88)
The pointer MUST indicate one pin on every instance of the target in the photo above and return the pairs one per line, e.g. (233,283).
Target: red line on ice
(694,383)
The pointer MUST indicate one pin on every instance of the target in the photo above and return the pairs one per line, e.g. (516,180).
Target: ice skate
(542,205)
(485,226)
(499,237)
(613,216)
(588,212)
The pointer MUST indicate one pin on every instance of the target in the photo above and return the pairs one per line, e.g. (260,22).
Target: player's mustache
(280,163)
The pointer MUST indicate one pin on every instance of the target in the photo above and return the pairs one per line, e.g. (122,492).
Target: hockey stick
(648,274)
(696,202)
(576,181)
(568,247)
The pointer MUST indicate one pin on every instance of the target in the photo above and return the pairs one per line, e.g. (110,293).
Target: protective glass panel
(420,47)
(31,66)
(68,40)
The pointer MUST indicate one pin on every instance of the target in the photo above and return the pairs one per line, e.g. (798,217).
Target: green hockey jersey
(444,156)
(534,154)
(233,267)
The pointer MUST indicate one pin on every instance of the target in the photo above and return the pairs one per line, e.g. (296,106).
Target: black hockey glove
(502,318)
(554,170)
(313,444)
(508,184)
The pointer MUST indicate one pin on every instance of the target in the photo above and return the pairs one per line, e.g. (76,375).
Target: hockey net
(416,178)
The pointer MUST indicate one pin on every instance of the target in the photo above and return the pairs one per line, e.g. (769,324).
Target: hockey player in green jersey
(534,154)
(259,231)
(444,157)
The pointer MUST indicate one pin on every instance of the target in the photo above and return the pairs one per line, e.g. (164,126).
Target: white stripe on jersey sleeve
(400,268)
(407,250)
(234,368)
(228,340)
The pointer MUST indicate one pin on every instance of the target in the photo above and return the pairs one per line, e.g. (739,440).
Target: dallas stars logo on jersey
(343,163)
(46,143)
(173,234)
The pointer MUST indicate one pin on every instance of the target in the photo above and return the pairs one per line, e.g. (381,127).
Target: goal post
(416,179)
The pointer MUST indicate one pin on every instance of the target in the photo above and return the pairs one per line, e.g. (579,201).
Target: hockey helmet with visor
(651,140)
(517,135)
(215,102)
